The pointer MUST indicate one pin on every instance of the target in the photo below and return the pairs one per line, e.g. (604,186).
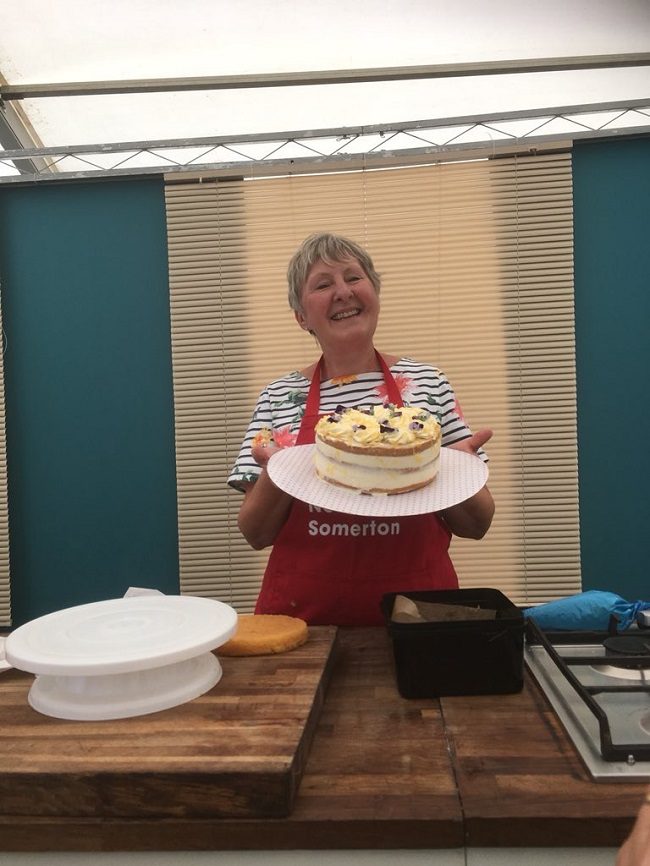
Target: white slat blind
(5,593)
(477,268)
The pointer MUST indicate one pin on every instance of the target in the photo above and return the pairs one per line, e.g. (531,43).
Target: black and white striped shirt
(281,406)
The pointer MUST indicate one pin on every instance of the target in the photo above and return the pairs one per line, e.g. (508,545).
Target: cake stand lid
(121,635)
(460,476)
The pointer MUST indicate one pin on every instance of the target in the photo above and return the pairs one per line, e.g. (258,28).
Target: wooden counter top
(237,751)
(384,772)
(521,782)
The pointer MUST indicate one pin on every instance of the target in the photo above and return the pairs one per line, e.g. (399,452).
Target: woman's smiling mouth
(345,314)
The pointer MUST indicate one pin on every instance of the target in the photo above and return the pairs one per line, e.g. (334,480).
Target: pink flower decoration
(404,386)
(284,438)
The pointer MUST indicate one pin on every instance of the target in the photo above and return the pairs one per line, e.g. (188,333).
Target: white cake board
(122,657)
(460,476)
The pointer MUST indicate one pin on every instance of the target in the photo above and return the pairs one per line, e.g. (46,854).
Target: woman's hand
(265,508)
(263,451)
(267,442)
(474,442)
(472,518)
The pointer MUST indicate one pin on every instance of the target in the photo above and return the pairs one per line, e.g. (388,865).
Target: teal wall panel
(83,271)
(612,297)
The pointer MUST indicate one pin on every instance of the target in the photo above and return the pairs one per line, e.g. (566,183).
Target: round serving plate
(460,476)
(122,657)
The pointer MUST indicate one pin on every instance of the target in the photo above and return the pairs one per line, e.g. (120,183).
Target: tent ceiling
(45,43)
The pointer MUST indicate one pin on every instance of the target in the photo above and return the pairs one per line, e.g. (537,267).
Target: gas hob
(599,686)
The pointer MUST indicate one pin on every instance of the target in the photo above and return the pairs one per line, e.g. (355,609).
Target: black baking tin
(465,657)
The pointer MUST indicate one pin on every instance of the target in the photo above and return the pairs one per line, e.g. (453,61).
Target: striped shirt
(281,406)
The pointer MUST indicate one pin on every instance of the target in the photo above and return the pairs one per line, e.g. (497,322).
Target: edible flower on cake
(387,425)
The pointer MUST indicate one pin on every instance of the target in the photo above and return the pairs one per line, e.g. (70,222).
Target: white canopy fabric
(93,40)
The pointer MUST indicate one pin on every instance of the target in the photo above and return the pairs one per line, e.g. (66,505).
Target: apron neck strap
(313,398)
(392,391)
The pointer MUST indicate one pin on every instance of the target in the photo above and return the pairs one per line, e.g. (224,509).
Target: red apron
(332,569)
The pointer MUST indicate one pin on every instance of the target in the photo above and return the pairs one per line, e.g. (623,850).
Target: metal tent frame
(386,145)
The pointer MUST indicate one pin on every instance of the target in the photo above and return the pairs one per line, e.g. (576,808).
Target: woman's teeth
(345,315)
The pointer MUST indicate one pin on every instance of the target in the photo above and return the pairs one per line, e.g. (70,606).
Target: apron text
(358,530)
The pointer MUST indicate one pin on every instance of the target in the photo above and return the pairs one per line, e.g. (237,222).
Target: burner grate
(609,750)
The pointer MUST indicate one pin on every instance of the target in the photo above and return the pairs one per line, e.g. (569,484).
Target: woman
(339,578)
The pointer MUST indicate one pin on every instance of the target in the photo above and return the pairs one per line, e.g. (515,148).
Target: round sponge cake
(265,633)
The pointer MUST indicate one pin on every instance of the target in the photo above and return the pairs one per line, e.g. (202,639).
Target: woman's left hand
(474,442)
(471,518)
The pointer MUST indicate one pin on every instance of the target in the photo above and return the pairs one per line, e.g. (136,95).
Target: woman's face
(339,303)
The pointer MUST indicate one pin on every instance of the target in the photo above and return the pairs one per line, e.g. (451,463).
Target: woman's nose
(342,289)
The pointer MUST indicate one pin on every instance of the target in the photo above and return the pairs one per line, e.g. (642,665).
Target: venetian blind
(477,277)
(5,595)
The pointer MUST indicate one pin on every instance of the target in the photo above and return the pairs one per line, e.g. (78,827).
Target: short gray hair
(328,248)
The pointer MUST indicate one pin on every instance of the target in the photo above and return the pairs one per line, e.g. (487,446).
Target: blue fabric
(588,611)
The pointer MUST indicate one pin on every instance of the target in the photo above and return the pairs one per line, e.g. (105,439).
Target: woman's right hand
(263,451)
(265,507)
(267,442)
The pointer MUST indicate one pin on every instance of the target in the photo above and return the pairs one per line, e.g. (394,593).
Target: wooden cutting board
(237,751)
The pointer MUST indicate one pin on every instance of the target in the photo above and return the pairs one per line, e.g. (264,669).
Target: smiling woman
(338,303)
(334,571)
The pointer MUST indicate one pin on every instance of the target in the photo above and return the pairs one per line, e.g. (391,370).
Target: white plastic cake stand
(4,664)
(460,476)
(122,657)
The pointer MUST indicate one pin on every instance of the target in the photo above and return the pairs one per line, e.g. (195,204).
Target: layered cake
(378,449)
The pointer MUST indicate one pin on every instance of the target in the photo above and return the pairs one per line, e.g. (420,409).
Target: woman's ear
(301,320)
